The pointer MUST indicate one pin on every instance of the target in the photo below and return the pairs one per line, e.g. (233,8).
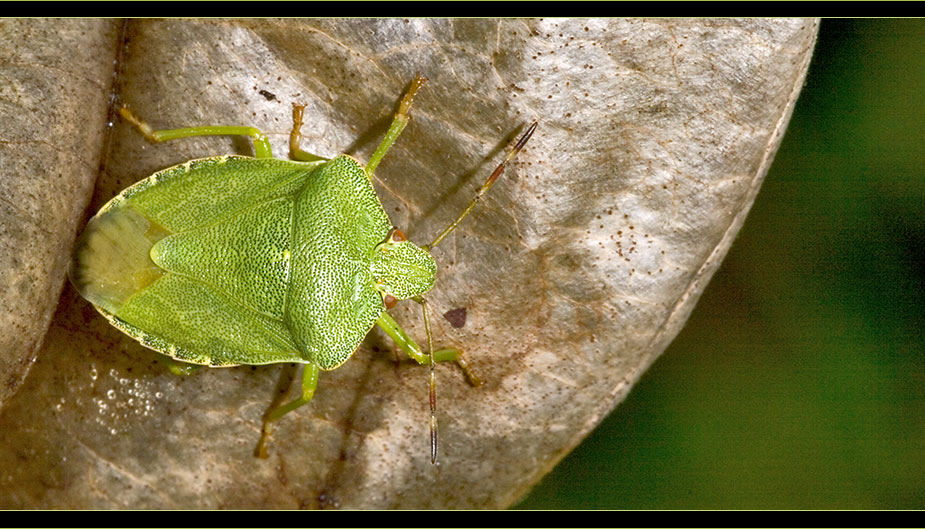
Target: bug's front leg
(412,349)
(309,383)
(399,121)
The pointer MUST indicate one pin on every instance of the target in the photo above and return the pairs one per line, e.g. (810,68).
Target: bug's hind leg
(309,383)
(261,142)
(177,367)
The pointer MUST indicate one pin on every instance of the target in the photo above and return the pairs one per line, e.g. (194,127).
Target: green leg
(413,350)
(295,138)
(261,143)
(177,367)
(309,383)
(398,124)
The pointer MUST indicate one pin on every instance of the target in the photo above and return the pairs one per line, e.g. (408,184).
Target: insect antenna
(433,383)
(486,186)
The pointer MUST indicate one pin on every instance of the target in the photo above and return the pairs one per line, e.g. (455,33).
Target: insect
(233,260)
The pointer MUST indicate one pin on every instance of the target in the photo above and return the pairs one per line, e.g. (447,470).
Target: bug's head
(402,269)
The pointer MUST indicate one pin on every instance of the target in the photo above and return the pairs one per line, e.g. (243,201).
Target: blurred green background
(799,381)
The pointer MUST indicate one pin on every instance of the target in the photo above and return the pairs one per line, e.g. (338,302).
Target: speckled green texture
(233,260)
(245,255)
(403,269)
(332,301)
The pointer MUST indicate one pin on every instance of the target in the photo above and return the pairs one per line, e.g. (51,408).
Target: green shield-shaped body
(234,260)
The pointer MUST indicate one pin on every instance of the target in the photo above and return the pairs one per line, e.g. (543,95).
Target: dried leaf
(576,271)
(55,84)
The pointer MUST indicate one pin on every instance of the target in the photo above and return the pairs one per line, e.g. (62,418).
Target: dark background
(799,381)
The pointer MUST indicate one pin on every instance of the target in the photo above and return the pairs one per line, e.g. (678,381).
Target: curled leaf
(575,272)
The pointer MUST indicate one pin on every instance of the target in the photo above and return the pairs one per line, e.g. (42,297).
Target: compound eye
(389,301)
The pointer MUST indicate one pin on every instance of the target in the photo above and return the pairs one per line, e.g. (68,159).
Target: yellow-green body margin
(234,260)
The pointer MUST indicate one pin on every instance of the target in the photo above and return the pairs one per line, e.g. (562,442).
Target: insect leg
(261,143)
(178,368)
(412,349)
(309,383)
(295,137)
(398,124)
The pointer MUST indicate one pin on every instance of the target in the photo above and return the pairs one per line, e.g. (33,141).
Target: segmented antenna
(430,342)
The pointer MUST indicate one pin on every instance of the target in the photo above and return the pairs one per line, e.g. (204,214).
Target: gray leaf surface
(576,271)
(55,85)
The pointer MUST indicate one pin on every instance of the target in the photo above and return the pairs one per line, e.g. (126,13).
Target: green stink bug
(233,260)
